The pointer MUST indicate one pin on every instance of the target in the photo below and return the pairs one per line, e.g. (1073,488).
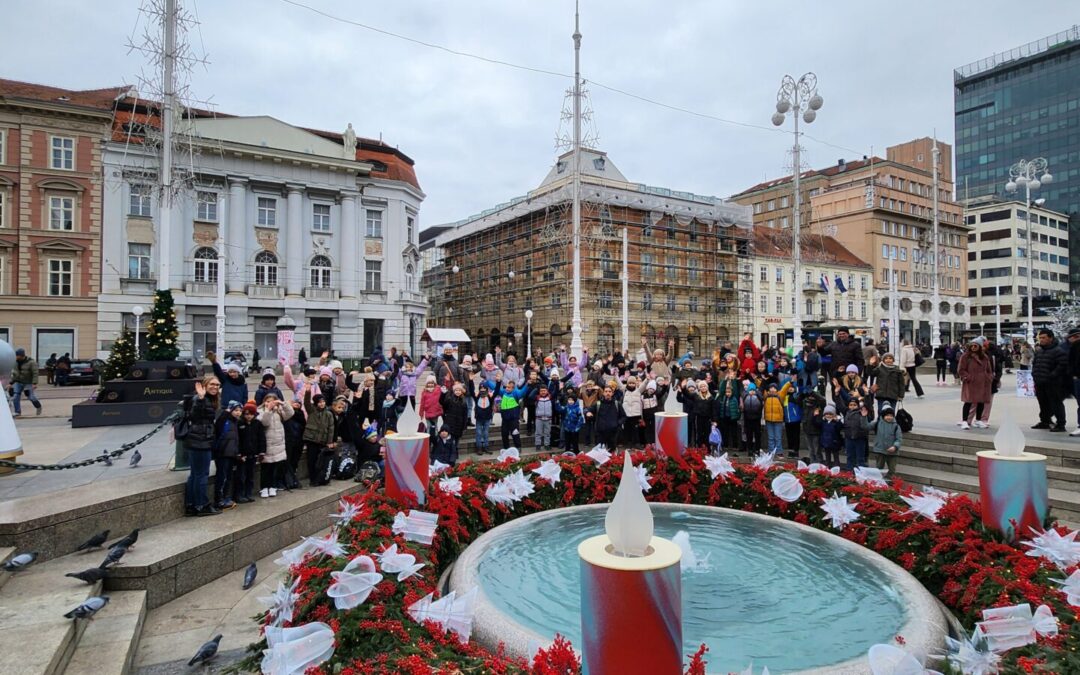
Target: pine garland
(163,337)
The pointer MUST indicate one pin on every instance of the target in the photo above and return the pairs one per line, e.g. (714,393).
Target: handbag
(182,428)
(904,419)
(919,360)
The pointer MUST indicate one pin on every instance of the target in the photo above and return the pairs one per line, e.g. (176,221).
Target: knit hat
(641,365)
(268,376)
(325,370)
(272,395)
(489,360)
(830,409)
(597,364)
(772,386)
(886,410)
(20,352)
(233,405)
(251,408)
(335,364)
(466,360)
(447,347)
(852,368)
(751,387)
(650,385)
(548,360)
(233,368)
(554,374)
(980,340)
(317,397)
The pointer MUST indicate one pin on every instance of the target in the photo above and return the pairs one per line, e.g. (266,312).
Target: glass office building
(1023,104)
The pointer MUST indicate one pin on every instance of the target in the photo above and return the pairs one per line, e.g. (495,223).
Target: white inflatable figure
(764,460)
(282,602)
(451,486)
(509,455)
(549,470)
(839,512)
(293,650)
(865,475)
(786,486)
(352,585)
(926,505)
(402,564)
(600,455)
(689,561)
(1063,551)
(1071,588)
(891,660)
(629,521)
(642,475)
(719,466)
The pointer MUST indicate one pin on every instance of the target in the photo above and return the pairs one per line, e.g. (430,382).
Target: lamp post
(801,98)
(576,344)
(528,322)
(935,297)
(138,311)
(982,328)
(1031,175)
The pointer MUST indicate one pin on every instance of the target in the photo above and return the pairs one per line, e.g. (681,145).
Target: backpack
(346,465)
(752,404)
(919,360)
(904,420)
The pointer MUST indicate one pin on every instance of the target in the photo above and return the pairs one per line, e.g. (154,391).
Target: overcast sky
(482,133)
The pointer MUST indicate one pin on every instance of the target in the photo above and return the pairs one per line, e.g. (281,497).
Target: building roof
(817,249)
(594,164)
(832,170)
(101,99)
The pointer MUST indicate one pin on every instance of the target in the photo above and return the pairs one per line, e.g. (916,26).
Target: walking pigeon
(114,555)
(249,576)
(206,652)
(128,541)
(106,458)
(20,562)
(88,609)
(136,457)
(96,541)
(90,576)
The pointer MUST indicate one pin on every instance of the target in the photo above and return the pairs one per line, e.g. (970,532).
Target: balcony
(138,285)
(811,287)
(413,297)
(814,317)
(320,293)
(203,289)
(265,292)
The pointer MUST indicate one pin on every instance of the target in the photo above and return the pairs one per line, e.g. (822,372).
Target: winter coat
(430,404)
(202,413)
(774,404)
(1074,359)
(855,425)
(407,381)
(232,388)
(907,357)
(484,409)
(262,391)
(273,423)
(660,369)
(890,381)
(631,403)
(752,405)
(725,404)
(844,354)
(1050,368)
(455,413)
(513,374)
(294,428)
(226,438)
(252,437)
(25,372)
(608,415)
(573,418)
(977,378)
(832,433)
(320,423)
(545,408)
(887,434)
(810,402)
(447,371)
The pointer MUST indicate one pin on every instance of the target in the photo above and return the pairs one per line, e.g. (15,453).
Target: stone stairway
(173,556)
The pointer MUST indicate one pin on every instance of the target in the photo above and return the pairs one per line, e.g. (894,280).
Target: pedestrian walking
(24,377)
(910,360)
(1050,373)
(976,374)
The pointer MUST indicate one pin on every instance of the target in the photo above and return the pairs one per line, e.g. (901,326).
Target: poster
(285,347)
(1025,386)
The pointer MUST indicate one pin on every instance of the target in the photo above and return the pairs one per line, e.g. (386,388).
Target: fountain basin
(785,595)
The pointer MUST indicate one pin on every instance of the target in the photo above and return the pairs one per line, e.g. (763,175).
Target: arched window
(265,269)
(206,265)
(320,272)
(409,278)
(607,265)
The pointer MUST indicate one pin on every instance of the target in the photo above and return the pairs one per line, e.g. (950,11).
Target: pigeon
(249,576)
(96,541)
(88,609)
(114,555)
(105,458)
(136,457)
(206,652)
(128,541)
(90,576)
(20,562)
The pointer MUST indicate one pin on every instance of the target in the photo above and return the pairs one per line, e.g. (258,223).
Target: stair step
(110,642)
(6,554)
(37,639)
(1065,454)
(1064,478)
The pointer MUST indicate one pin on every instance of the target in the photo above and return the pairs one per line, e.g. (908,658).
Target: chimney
(841,164)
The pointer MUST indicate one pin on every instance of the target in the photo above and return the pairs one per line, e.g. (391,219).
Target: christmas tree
(122,356)
(162,336)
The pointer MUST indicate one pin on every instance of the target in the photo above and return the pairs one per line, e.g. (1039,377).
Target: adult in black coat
(843,351)
(455,411)
(1050,373)
(1073,343)
(447,371)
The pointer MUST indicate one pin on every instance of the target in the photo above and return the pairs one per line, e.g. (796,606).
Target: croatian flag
(840,284)
(824,281)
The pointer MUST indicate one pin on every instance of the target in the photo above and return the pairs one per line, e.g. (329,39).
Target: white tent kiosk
(436,337)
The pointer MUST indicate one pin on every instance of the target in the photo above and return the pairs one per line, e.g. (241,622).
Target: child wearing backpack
(832,435)
(751,413)
(573,418)
(856,433)
(887,440)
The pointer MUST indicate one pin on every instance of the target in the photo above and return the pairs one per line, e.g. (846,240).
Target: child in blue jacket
(832,435)
(573,418)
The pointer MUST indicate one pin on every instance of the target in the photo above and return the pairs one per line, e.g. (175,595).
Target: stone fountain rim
(924,631)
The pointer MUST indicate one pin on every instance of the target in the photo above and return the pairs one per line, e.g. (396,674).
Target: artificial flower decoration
(1071,588)
(719,466)
(1063,551)
(347,512)
(451,486)
(838,511)
(519,484)
(925,504)
(749,670)
(293,650)
(764,460)
(418,526)
(801,466)
(1044,622)
(971,656)
(352,585)
(450,612)
(817,467)
(865,475)
(437,467)
(404,565)
(1005,628)
(328,545)
(549,470)
(890,660)
(499,493)
(935,492)
(509,455)
(282,603)
(786,486)
(600,455)
(643,477)
(295,555)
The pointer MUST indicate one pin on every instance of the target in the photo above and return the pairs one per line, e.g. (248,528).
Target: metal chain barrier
(102,458)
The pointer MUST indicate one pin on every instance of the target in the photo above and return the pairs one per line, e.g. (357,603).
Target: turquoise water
(767,592)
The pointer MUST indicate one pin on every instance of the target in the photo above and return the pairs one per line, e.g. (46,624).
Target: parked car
(236,357)
(86,371)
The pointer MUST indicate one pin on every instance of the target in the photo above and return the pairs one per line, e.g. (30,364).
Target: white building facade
(997,262)
(309,228)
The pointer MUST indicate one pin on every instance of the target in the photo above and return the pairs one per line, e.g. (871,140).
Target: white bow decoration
(451,486)
(451,612)
(402,564)
(599,454)
(520,485)
(801,466)
(643,477)
(352,585)
(347,512)
(293,650)
(786,486)
(889,660)
(295,555)
(437,467)
(1071,588)
(1005,628)
(418,526)
(499,493)
(549,470)
(764,460)
(719,466)
(839,511)
(866,476)
(328,545)
(970,657)
(509,454)
(817,467)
